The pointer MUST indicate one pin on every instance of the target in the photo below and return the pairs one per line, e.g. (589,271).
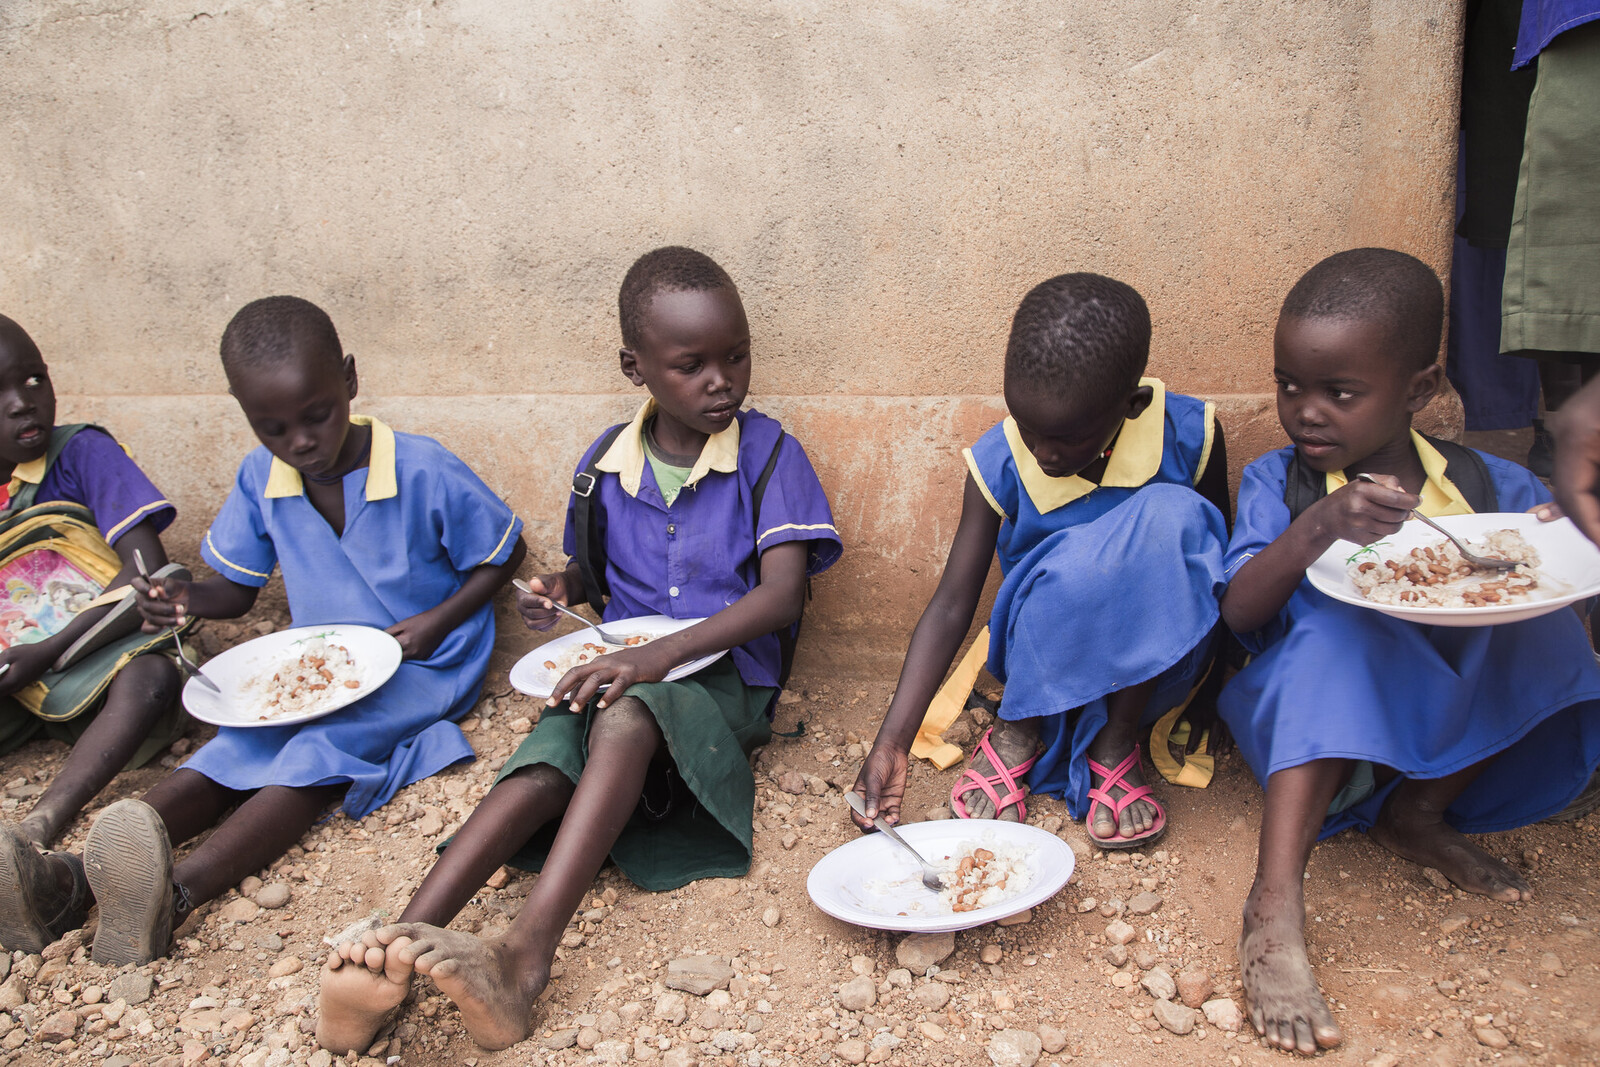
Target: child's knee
(148,683)
(629,721)
(536,777)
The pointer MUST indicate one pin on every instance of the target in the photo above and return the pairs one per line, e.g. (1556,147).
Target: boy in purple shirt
(74,493)
(654,774)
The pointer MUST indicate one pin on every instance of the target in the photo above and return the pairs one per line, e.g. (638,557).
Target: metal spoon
(1488,562)
(930,876)
(188,664)
(607,638)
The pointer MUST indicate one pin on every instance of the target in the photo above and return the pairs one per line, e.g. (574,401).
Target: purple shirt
(94,471)
(1544,20)
(702,553)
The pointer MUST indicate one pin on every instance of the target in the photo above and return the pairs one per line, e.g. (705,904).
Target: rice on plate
(1437,576)
(318,675)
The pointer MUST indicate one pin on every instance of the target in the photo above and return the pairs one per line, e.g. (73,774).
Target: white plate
(376,655)
(1569,568)
(872,882)
(531,676)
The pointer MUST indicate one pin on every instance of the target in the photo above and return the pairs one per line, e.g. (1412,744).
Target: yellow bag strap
(947,705)
(1198,766)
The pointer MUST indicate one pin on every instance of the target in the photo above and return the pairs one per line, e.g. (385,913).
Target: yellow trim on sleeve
(1440,496)
(382,481)
(229,562)
(626,459)
(798,526)
(1205,448)
(1135,457)
(503,538)
(977,479)
(154,505)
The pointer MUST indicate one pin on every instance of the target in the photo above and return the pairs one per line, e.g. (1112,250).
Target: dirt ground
(1417,973)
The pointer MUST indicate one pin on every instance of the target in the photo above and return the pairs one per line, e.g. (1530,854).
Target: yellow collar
(625,458)
(1439,494)
(284,480)
(1135,457)
(31,472)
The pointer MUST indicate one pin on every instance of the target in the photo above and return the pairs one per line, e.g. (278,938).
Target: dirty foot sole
(129,863)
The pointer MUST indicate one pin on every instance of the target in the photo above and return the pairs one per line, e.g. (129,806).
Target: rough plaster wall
(463,183)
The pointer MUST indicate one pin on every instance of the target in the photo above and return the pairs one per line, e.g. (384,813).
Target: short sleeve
(1262,518)
(1515,487)
(794,508)
(479,529)
(93,470)
(237,545)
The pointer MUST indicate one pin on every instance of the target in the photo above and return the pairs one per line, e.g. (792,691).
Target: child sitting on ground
(653,773)
(75,511)
(370,527)
(1415,734)
(1088,492)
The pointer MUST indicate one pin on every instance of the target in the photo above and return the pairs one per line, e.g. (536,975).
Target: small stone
(1015,1048)
(198,1052)
(1087,904)
(899,978)
(1451,923)
(57,1028)
(789,840)
(792,782)
(93,994)
(933,996)
(698,974)
(1051,1038)
(13,993)
(499,879)
(1119,933)
(1145,955)
(1489,1037)
(431,824)
(1224,1014)
(1384,1059)
(771,917)
(560,1039)
(1194,986)
(611,1050)
(240,910)
(588,1038)
(918,952)
(287,965)
(1144,903)
(1122,980)
(858,994)
(671,1008)
(1023,916)
(990,954)
(520,725)
(1550,963)
(937,813)
(131,988)
(861,965)
(679,1056)
(851,1051)
(1159,984)
(273,897)
(1175,1017)
(250,886)
(112,1013)
(1116,955)
(1436,879)
(932,1031)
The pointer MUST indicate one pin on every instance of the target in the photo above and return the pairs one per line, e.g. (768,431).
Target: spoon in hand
(1487,562)
(609,639)
(930,876)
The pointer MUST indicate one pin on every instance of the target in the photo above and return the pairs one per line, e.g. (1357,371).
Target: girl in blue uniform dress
(369,527)
(1087,493)
(1412,733)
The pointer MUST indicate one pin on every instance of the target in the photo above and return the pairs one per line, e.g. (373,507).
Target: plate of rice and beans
(293,676)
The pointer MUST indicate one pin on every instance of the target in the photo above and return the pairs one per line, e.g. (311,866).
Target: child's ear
(1423,385)
(1139,400)
(630,366)
(351,381)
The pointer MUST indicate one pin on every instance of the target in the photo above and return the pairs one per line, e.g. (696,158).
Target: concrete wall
(463,183)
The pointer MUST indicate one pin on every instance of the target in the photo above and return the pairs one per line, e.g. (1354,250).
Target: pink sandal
(1113,779)
(1006,776)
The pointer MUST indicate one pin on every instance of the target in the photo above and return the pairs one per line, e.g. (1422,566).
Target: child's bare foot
(1013,743)
(492,984)
(1425,838)
(360,987)
(1110,750)
(1286,1006)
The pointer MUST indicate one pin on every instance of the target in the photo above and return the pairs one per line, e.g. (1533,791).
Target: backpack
(590,546)
(1303,486)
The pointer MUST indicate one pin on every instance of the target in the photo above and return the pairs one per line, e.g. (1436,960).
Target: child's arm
(1359,511)
(168,601)
(420,634)
(934,644)
(29,662)
(774,603)
(564,587)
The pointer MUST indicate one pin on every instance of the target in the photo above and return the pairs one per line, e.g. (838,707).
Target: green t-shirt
(668,477)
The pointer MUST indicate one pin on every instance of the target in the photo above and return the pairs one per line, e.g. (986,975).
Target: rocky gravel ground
(1132,963)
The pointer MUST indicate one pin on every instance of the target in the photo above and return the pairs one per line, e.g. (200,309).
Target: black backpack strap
(1465,468)
(789,636)
(587,537)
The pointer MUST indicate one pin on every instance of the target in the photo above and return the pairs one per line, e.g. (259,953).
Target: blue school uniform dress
(691,558)
(1334,681)
(417,522)
(1105,586)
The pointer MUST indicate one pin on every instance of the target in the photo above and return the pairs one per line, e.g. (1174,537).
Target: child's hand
(1549,511)
(882,782)
(27,663)
(618,670)
(535,607)
(419,635)
(163,602)
(1363,511)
